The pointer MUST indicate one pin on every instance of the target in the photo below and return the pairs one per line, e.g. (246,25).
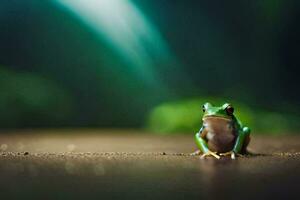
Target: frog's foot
(210,153)
(198,152)
(232,154)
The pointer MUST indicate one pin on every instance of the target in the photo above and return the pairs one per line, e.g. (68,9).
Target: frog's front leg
(242,138)
(240,143)
(202,145)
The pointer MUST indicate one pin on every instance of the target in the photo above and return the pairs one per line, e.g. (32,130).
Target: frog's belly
(218,142)
(220,134)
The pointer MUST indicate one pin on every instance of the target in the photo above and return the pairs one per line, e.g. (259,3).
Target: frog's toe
(240,155)
(232,156)
(198,152)
(226,153)
(210,153)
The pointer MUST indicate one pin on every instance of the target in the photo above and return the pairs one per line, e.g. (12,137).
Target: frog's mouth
(215,117)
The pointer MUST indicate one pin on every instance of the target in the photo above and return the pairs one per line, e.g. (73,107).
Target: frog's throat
(217,117)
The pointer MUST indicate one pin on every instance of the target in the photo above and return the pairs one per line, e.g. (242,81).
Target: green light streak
(127,31)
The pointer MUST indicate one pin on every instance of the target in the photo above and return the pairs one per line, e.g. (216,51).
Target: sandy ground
(93,164)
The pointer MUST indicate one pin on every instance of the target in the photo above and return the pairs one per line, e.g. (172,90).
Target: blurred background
(148,64)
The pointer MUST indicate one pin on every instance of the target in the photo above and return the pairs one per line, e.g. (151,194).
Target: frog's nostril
(203,108)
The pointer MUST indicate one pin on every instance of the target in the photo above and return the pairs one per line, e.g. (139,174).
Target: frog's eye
(229,110)
(203,108)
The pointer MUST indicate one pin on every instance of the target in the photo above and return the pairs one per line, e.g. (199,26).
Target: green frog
(221,134)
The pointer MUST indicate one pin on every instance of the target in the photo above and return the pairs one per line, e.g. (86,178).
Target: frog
(221,133)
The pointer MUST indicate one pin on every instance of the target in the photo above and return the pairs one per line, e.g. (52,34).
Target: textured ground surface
(91,164)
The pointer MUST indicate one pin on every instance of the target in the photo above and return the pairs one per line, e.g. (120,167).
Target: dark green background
(56,72)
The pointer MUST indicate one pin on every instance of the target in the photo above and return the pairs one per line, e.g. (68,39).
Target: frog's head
(225,111)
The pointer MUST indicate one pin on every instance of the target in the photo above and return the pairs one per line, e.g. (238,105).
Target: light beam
(127,31)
